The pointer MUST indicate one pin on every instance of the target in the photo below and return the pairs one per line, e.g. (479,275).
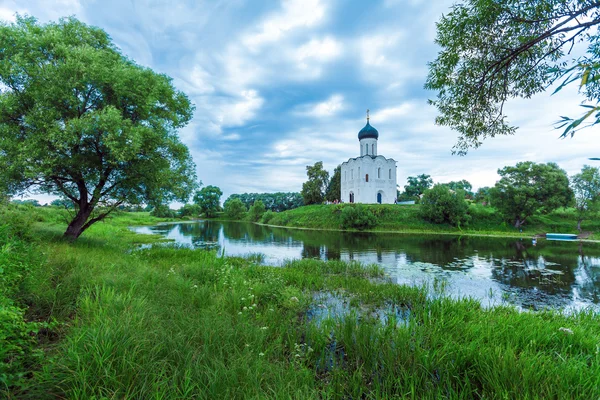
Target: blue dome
(368,132)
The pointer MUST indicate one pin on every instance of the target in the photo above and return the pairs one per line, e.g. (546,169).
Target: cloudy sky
(279,85)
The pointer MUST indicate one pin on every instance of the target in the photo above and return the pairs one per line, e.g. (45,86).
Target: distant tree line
(275,202)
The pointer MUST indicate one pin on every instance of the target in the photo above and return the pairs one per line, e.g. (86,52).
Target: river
(547,274)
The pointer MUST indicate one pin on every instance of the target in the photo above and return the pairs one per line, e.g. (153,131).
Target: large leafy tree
(586,186)
(528,188)
(417,185)
(313,190)
(441,205)
(80,120)
(334,189)
(463,185)
(496,50)
(208,199)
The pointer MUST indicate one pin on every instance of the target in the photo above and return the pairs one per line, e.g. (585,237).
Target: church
(370,178)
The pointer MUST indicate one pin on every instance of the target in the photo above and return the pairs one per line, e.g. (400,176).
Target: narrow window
(378,173)
(390,174)
(367,177)
(367,149)
(373,149)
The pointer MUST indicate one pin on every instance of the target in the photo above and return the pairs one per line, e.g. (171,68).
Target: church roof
(368,132)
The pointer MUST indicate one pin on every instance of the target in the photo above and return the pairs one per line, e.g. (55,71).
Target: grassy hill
(406,218)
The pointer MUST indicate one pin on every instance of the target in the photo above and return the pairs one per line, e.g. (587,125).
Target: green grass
(406,218)
(168,323)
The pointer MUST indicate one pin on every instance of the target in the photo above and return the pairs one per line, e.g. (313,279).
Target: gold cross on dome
(367,114)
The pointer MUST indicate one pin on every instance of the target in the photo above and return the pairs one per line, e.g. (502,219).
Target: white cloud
(320,50)
(392,113)
(232,137)
(200,81)
(8,14)
(295,14)
(327,108)
(237,113)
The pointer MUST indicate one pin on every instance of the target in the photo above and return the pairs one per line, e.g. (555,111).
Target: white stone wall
(381,178)
(368,147)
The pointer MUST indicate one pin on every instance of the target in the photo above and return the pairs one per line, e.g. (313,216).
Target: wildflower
(243,298)
(240,313)
(566,330)
(245,308)
(254,305)
(270,309)
(294,298)
(195,287)
(261,354)
(264,328)
(247,345)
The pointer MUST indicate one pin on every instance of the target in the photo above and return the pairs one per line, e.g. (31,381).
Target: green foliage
(234,208)
(273,201)
(440,205)
(528,188)
(17,335)
(267,217)
(101,129)
(62,203)
(313,190)
(189,210)
(483,195)
(416,186)
(334,189)
(586,188)
(463,185)
(162,211)
(256,211)
(208,199)
(218,323)
(357,216)
(29,202)
(493,51)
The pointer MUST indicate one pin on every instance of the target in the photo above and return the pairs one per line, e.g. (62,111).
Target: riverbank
(485,221)
(167,322)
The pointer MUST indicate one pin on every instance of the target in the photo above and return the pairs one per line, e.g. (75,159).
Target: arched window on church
(367,177)
(390,174)
(378,173)
(366,149)
(372,149)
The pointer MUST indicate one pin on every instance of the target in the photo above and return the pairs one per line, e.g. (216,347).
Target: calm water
(494,270)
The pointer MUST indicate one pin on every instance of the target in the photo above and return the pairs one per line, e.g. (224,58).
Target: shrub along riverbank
(407,218)
(102,318)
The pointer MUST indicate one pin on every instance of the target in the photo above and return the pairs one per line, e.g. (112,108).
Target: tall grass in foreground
(174,323)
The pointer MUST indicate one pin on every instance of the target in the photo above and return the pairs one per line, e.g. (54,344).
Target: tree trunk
(76,227)
(518,223)
(579,225)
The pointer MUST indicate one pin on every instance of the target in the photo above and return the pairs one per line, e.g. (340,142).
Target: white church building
(370,178)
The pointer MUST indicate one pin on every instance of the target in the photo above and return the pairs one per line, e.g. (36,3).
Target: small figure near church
(370,178)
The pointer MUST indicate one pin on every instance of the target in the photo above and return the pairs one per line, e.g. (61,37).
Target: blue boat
(561,236)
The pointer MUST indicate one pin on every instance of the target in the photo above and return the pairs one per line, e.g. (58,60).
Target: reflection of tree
(204,234)
(309,251)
